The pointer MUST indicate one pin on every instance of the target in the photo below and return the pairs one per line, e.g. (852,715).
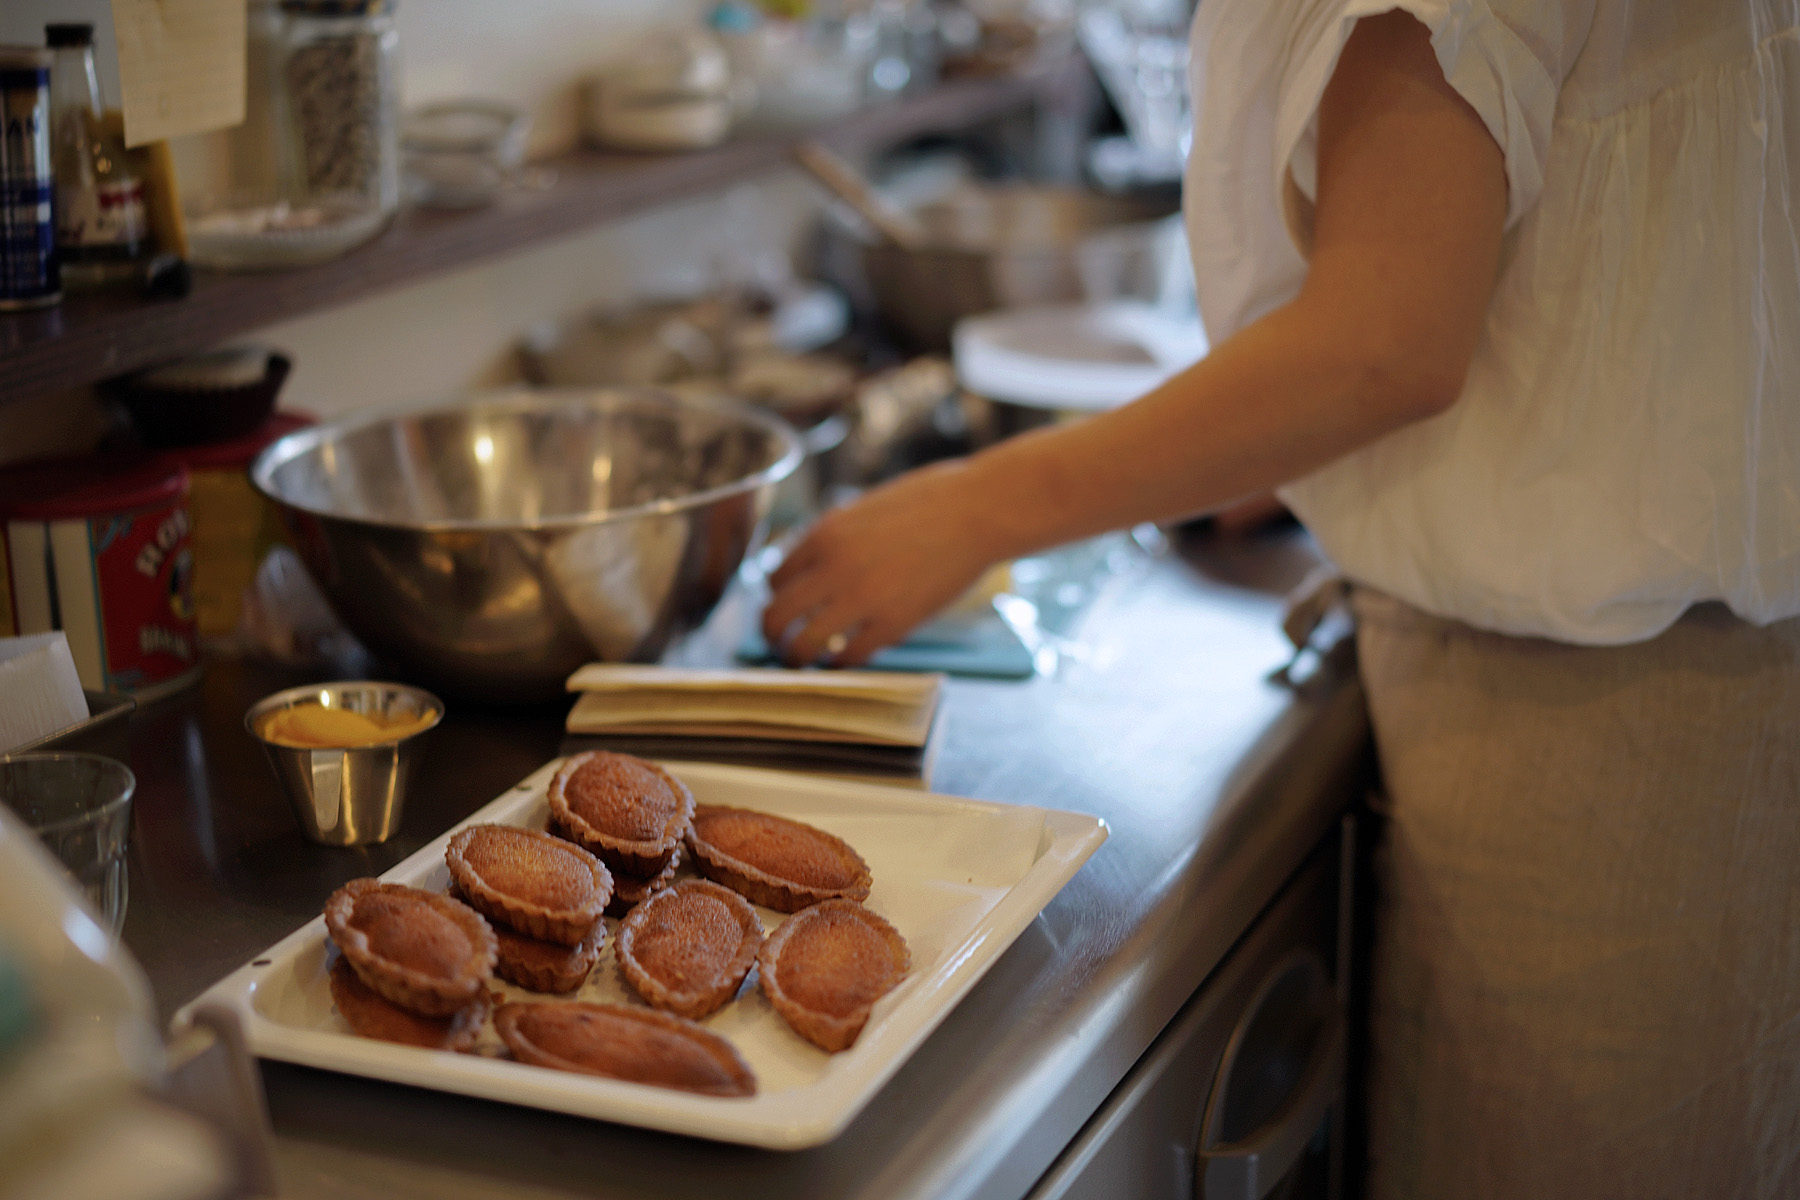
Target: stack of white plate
(1075,358)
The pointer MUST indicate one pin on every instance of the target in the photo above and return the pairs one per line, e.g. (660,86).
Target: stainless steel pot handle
(1249,1168)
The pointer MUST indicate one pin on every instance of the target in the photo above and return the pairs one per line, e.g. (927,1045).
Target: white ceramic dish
(960,879)
(1074,358)
(270,237)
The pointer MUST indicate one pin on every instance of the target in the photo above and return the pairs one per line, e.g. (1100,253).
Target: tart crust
(547,966)
(638,1045)
(775,862)
(421,950)
(629,812)
(687,949)
(541,966)
(370,1015)
(825,968)
(540,885)
(629,891)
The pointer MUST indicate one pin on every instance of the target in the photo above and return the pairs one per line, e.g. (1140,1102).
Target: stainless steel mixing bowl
(490,548)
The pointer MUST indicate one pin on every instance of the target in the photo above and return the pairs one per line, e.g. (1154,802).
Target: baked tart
(539,965)
(537,884)
(827,965)
(421,950)
(777,863)
(687,949)
(638,1045)
(629,812)
(547,966)
(629,891)
(370,1015)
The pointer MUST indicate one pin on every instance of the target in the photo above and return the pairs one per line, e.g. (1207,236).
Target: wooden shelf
(91,337)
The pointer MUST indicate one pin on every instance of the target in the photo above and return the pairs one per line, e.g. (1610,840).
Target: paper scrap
(181,66)
(40,692)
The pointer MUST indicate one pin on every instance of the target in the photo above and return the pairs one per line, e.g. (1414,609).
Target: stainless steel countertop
(1216,778)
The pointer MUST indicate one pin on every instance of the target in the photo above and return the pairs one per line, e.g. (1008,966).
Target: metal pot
(1009,246)
(490,548)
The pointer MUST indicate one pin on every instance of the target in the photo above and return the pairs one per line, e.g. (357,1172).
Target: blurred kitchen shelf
(91,337)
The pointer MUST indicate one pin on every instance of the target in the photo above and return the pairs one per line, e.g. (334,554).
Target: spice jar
(341,84)
(101,229)
(29,275)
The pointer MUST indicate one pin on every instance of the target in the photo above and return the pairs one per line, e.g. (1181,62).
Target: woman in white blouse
(1506,294)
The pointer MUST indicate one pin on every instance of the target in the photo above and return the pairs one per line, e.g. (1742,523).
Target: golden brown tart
(370,1015)
(780,864)
(629,812)
(687,949)
(423,951)
(547,966)
(629,891)
(827,965)
(540,885)
(543,966)
(639,1045)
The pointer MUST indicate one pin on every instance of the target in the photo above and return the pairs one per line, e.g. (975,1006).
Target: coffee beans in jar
(341,87)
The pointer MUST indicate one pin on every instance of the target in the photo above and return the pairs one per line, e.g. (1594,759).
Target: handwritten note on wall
(181,66)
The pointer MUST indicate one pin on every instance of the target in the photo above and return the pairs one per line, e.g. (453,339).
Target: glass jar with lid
(102,233)
(340,83)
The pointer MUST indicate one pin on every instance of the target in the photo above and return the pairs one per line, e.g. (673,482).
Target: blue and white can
(29,274)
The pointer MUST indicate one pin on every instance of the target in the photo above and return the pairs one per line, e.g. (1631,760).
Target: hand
(869,572)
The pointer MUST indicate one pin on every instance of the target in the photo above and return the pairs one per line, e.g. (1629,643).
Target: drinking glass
(79,805)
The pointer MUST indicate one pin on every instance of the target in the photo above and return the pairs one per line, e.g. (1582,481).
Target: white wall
(456,331)
(530,52)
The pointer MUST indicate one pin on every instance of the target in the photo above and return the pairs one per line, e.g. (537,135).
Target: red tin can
(234,527)
(100,548)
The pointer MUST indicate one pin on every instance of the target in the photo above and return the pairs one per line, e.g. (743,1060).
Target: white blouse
(1628,441)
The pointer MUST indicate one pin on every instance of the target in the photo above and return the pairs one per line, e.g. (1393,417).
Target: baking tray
(960,879)
(107,729)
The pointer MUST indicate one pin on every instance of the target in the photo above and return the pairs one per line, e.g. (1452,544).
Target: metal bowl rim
(290,446)
(286,698)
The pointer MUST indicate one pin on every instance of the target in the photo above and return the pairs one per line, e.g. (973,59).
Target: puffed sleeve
(1507,58)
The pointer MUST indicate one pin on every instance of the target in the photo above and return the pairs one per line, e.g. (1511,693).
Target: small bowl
(492,129)
(257,236)
(169,417)
(349,796)
(621,115)
(459,154)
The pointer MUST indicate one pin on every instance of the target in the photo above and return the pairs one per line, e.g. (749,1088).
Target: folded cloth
(865,707)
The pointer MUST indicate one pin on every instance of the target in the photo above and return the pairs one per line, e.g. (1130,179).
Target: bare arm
(1411,201)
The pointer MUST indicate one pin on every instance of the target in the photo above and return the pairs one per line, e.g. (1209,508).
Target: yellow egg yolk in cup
(315,727)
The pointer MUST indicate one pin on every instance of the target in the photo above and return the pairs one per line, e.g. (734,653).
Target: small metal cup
(350,796)
(79,805)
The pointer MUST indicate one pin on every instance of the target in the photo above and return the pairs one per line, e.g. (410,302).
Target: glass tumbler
(79,805)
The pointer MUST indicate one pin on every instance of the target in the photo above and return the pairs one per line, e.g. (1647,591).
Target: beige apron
(1587,965)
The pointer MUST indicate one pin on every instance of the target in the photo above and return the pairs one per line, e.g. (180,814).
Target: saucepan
(1007,246)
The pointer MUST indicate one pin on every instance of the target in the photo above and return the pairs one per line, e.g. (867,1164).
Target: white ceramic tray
(959,878)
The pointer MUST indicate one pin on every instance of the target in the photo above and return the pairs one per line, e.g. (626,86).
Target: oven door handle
(1250,1167)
